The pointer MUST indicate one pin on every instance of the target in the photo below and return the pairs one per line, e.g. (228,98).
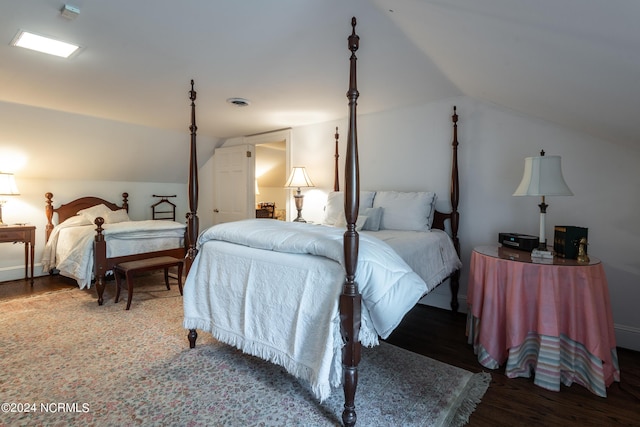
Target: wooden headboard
(70,209)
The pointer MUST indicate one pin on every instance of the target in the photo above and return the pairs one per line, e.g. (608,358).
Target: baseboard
(442,300)
(627,337)
(16,272)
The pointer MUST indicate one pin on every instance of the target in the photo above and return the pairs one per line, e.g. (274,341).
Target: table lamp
(297,179)
(542,177)
(7,188)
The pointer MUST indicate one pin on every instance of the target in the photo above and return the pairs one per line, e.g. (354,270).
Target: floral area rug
(67,361)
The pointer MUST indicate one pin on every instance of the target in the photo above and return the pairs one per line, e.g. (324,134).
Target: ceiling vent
(70,12)
(238,102)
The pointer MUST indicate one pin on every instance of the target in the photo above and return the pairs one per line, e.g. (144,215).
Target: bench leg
(129,288)
(180,277)
(118,284)
(166,278)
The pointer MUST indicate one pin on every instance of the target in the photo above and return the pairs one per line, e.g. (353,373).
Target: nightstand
(550,318)
(22,234)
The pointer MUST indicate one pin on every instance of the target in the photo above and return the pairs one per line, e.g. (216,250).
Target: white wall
(409,149)
(29,208)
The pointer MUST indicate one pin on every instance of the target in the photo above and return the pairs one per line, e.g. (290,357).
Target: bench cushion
(149,263)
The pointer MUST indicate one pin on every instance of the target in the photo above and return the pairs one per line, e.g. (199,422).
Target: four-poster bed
(239,276)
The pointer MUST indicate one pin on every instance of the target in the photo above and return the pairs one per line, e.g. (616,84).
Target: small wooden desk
(550,318)
(22,234)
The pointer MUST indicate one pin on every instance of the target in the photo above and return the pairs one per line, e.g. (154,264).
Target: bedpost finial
(354,39)
(192,92)
(454,118)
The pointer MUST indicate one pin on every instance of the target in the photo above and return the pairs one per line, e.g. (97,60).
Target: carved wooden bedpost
(336,179)
(100,256)
(48,210)
(454,283)
(192,216)
(125,201)
(350,299)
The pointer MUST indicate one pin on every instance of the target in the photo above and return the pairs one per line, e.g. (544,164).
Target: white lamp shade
(298,178)
(8,185)
(543,177)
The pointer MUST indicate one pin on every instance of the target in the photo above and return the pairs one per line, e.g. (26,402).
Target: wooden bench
(128,269)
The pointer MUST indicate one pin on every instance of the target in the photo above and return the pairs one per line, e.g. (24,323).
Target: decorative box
(566,239)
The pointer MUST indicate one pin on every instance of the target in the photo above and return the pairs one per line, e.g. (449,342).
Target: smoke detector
(238,102)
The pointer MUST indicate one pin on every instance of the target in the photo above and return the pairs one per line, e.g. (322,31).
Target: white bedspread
(266,295)
(70,246)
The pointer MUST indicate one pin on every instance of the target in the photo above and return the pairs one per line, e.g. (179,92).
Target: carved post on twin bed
(100,257)
(125,201)
(48,210)
(454,283)
(192,216)
(350,299)
(100,266)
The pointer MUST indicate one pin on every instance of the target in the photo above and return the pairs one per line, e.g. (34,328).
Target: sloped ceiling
(572,62)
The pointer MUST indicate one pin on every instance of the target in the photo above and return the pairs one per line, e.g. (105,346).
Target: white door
(234,170)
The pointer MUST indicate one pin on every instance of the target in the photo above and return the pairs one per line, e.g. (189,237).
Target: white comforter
(430,254)
(70,245)
(303,336)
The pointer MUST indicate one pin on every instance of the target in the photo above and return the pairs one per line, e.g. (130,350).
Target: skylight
(44,44)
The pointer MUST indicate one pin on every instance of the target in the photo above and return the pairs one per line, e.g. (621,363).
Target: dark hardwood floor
(440,335)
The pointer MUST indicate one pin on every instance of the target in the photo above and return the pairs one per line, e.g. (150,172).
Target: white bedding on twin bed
(271,295)
(70,246)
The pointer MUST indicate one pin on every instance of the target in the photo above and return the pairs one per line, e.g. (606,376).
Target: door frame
(264,138)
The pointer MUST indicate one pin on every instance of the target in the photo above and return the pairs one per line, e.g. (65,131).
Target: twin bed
(304,296)
(80,251)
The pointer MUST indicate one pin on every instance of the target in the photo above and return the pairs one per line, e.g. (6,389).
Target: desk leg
(32,250)
(28,261)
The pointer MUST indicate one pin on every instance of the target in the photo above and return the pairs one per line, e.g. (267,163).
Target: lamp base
(542,245)
(537,253)
(299,198)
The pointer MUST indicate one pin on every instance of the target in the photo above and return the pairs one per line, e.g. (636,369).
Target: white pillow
(405,210)
(334,210)
(74,221)
(113,217)
(374,216)
(94,211)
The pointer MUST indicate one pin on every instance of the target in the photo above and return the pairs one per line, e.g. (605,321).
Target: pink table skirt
(552,321)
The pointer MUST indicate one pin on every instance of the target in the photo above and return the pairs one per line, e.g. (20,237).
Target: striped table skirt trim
(551,360)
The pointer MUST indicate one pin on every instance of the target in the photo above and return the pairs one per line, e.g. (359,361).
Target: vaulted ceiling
(573,62)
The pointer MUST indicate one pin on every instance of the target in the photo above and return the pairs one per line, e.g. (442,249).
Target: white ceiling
(574,62)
